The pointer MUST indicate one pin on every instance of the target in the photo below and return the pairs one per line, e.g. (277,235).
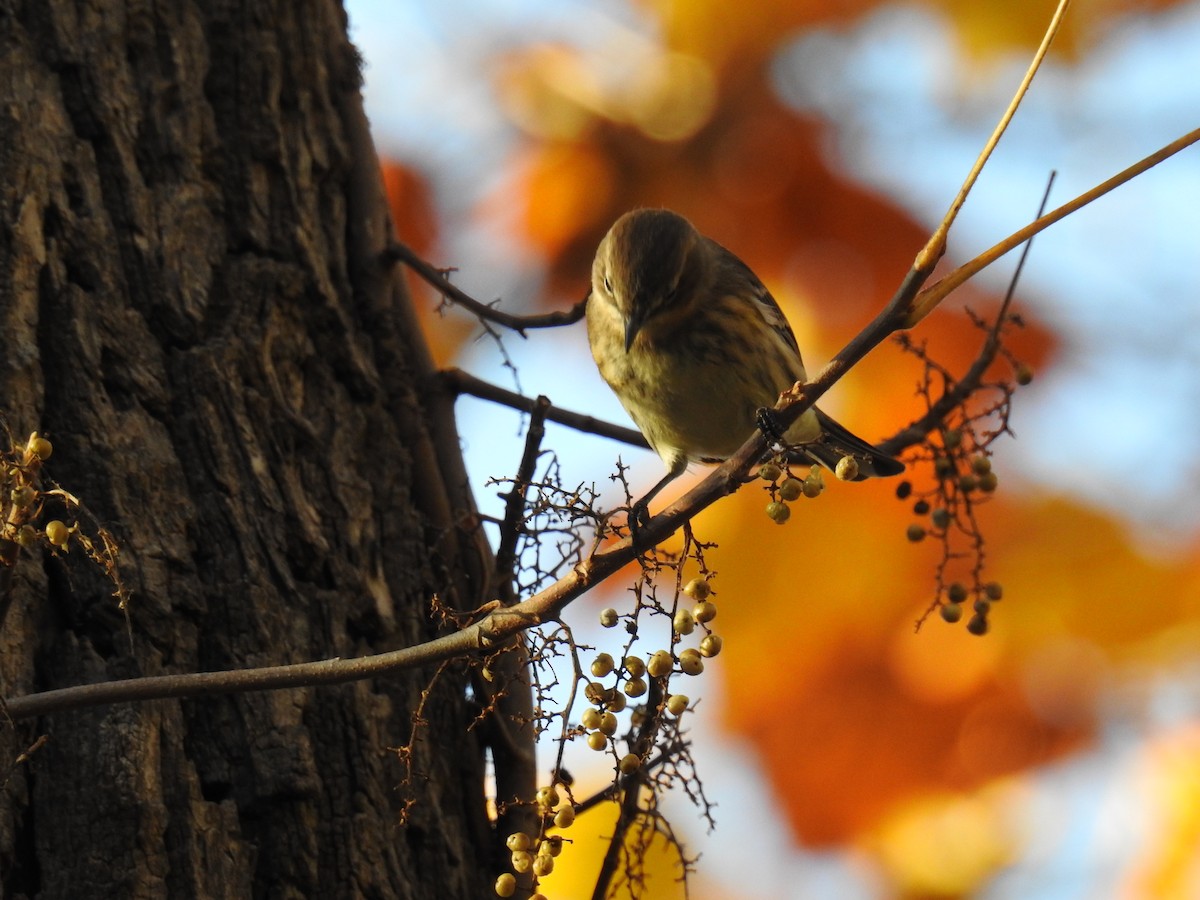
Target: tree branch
(459,382)
(398,252)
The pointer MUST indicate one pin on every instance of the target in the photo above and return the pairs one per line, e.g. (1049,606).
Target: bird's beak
(634,324)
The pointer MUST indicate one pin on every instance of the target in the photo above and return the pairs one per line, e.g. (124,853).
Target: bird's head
(650,265)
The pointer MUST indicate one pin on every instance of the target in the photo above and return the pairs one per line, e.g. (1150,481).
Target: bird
(697,350)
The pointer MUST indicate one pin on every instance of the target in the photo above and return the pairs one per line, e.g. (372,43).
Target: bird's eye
(607,285)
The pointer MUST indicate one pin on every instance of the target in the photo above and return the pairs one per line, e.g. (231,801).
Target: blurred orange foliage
(861,723)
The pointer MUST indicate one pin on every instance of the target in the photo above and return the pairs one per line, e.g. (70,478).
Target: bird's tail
(836,442)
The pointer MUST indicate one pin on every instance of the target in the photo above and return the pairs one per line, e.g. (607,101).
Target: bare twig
(459,382)
(397,252)
(957,394)
(936,246)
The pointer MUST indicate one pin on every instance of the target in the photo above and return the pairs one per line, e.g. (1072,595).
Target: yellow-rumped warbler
(694,346)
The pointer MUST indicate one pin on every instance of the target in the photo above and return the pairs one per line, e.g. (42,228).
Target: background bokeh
(849,755)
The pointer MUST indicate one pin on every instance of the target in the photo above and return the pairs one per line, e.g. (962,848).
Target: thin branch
(955,396)
(459,382)
(397,252)
(936,246)
(514,506)
(935,293)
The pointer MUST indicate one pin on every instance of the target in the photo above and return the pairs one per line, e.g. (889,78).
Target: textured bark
(191,309)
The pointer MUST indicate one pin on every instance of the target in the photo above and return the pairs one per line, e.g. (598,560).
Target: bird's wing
(735,270)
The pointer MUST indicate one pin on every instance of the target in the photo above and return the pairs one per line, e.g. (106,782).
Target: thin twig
(956,395)
(939,290)
(514,506)
(936,246)
(436,278)
(460,382)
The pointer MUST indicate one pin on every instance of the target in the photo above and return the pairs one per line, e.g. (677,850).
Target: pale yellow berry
(685,622)
(602,665)
(594,692)
(769,472)
(590,718)
(547,797)
(791,489)
(608,724)
(677,703)
(522,860)
(543,865)
(616,702)
(660,664)
(635,687)
(690,662)
(41,448)
(812,488)
(551,846)
(518,840)
(697,588)
(778,512)
(635,666)
(597,740)
(57,533)
(565,817)
(705,611)
(608,617)
(847,468)
(506,885)
(629,763)
(711,645)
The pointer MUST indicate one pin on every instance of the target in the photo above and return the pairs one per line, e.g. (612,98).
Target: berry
(711,645)
(506,885)
(690,662)
(608,617)
(704,611)
(847,468)
(602,665)
(778,512)
(769,472)
(57,533)
(697,589)
(518,840)
(791,489)
(915,533)
(661,663)
(951,612)
(684,622)
(677,703)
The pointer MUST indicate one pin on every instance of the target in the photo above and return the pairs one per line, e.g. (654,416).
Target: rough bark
(192,310)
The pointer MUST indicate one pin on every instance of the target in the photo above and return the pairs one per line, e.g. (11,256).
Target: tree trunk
(193,311)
